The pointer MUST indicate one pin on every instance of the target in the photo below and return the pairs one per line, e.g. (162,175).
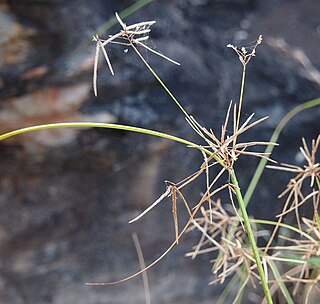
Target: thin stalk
(281,284)
(142,266)
(251,238)
(160,81)
(274,138)
(262,164)
(98,125)
(187,116)
(240,101)
(228,289)
(170,137)
(241,95)
(244,277)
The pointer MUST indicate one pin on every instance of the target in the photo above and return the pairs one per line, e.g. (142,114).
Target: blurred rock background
(66,196)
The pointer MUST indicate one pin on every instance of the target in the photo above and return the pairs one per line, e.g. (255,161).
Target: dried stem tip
(244,55)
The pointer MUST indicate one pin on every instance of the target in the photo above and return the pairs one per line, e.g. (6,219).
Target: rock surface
(66,198)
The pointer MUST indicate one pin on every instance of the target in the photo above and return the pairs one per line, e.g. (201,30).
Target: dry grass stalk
(236,254)
(225,148)
(243,54)
(295,196)
(215,223)
(303,254)
(129,35)
(142,266)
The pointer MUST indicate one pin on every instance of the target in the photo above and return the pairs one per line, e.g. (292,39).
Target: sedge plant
(291,256)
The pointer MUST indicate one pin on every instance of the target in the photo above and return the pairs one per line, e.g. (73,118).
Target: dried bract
(129,35)
(235,255)
(309,172)
(226,150)
(243,54)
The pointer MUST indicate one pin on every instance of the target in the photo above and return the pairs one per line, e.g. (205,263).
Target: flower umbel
(244,55)
(129,35)
(225,150)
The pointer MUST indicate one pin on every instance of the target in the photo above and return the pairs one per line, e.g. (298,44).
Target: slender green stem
(240,101)
(227,290)
(160,81)
(215,157)
(262,164)
(281,284)
(251,238)
(241,95)
(98,125)
(243,283)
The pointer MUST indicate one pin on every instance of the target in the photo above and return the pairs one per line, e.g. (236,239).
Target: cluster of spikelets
(295,251)
(215,224)
(129,36)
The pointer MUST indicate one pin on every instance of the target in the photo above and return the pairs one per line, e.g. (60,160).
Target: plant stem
(223,296)
(284,121)
(240,102)
(280,282)
(160,81)
(241,95)
(99,125)
(251,238)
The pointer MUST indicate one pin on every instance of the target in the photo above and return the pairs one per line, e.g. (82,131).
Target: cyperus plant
(229,232)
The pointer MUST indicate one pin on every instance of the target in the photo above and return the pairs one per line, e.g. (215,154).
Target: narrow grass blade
(97,125)
(228,289)
(142,266)
(285,120)
(281,284)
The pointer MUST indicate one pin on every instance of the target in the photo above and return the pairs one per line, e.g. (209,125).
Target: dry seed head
(294,189)
(226,150)
(243,54)
(131,36)
(302,253)
(234,254)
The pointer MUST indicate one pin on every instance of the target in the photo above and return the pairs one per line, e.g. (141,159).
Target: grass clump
(288,264)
